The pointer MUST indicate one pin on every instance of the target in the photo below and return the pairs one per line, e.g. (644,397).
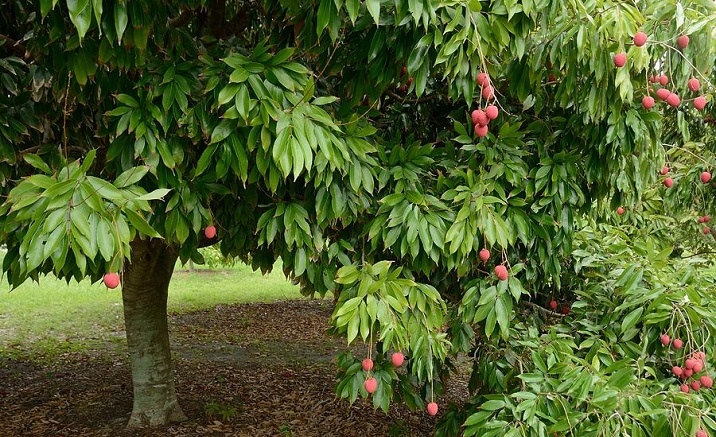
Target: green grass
(53,317)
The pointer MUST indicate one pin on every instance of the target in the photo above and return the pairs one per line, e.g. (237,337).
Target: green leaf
(141,224)
(97,6)
(120,19)
(131,176)
(80,15)
(222,130)
(37,162)
(159,193)
(373,7)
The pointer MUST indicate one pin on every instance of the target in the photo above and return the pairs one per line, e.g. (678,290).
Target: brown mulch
(268,369)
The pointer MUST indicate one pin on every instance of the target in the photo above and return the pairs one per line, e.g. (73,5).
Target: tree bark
(144,294)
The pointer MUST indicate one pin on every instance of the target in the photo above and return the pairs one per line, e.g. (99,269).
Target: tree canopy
(447,169)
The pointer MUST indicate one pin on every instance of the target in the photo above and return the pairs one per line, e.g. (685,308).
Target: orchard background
(524,183)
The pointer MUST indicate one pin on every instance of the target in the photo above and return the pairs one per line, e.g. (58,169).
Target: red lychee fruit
(707,218)
(677,371)
(682,41)
(695,385)
(479,117)
(663,79)
(694,84)
(488,92)
(705,177)
(481,130)
(404,70)
(677,343)
(663,93)
(639,39)
(553,304)
(432,408)
(706,230)
(210,232)
(371,385)
(647,102)
(482,79)
(673,100)
(620,210)
(665,340)
(706,381)
(111,280)
(684,388)
(566,309)
(367,364)
(668,182)
(700,103)
(484,255)
(698,366)
(653,79)
(664,169)
(492,112)
(397,359)
(620,59)
(701,433)
(689,363)
(501,272)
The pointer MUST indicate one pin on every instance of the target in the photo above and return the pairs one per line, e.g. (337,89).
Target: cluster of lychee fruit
(482,117)
(500,269)
(404,87)
(664,94)
(564,309)
(692,372)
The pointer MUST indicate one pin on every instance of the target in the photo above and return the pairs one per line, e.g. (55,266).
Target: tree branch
(15,47)
(183,19)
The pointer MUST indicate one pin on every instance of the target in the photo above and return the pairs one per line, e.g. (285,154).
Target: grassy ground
(53,317)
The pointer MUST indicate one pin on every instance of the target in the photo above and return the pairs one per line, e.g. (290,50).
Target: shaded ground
(241,370)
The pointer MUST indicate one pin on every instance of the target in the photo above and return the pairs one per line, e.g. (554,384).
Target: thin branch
(183,19)
(15,47)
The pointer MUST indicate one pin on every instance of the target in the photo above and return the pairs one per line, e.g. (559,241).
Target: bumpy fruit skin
(689,363)
(707,218)
(663,93)
(492,112)
(397,359)
(210,232)
(665,340)
(488,93)
(620,60)
(501,272)
(553,304)
(677,343)
(677,371)
(684,388)
(367,364)
(482,79)
(481,130)
(706,381)
(111,280)
(695,385)
(682,41)
(371,385)
(484,255)
(479,117)
(663,79)
(701,433)
(700,103)
(647,102)
(668,182)
(673,100)
(620,210)
(565,310)
(694,84)
(639,39)
(688,373)
(698,366)
(705,177)
(432,408)
(707,230)
(664,169)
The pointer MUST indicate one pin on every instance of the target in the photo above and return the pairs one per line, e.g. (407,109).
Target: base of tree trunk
(145,289)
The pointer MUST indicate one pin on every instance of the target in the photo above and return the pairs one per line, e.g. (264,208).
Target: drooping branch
(15,47)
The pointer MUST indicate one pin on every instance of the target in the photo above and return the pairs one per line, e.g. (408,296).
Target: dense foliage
(338,136)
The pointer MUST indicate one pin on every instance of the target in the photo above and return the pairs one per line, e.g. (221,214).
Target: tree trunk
(144,294)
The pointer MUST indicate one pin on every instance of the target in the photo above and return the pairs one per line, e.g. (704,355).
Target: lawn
(54,317)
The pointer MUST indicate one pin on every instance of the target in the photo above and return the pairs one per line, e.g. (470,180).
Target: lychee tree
(446,169)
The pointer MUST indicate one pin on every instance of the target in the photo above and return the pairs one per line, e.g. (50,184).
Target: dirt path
(242,370)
